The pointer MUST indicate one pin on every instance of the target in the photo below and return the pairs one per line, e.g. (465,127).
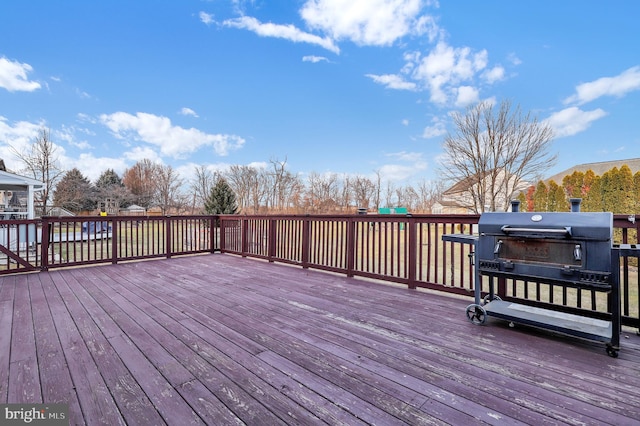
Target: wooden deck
(218,339)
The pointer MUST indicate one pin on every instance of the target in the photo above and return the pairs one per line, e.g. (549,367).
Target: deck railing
(409,250)
(52,242)
(406,250)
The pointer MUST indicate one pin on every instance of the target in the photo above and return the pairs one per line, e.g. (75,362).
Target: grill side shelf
(460,238)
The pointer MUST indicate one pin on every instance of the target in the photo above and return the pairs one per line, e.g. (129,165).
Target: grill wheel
(476,314)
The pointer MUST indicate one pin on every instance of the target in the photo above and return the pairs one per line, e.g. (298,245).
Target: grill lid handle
(566,230)
(577,252)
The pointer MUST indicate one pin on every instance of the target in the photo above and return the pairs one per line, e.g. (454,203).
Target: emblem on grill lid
(536,217)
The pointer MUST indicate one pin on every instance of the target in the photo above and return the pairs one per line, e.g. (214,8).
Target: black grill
(572,249)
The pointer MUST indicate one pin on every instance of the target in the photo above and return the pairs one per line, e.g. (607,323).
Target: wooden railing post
(412,253)
(306,241)
(114,241)
(212,234)
(244,248)
(273,239)
(44,244)
(351,246)
(221,229)
(168,237)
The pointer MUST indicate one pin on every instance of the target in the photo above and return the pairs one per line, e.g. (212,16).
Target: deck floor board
(218,339)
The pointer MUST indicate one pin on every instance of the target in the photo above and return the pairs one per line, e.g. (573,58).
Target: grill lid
(557,225)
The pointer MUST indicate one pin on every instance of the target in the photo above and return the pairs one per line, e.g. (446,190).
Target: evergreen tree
(523,201)
(573,184)
(587,182)
(556,199)
(593,201)
(540,198)
(109,178)
(75,192)
(221,199)
(636,192)
(110,186)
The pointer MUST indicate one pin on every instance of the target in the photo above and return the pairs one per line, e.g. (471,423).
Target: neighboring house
(18,193)
(459,199)
(449,207)
(598,168)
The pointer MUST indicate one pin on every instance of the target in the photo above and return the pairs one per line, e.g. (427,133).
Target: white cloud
(368,22)
(314,59)
(620,85)
(573,120)
(258,165)
(445,68)
(87,164)
(16,136)
(405,166)
(68,134)
(405,122)
(82,94)
(188,111)
(494,74)
(514,59)
(467,95)
(140,153)
(174,141)
(287,32)
(86,118)
(206,18)
(13,76)
(393,81)
(437,128)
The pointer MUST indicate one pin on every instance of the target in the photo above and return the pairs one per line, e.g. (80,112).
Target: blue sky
(343,86)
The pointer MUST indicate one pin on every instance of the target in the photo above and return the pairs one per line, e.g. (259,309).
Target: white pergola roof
(13,182)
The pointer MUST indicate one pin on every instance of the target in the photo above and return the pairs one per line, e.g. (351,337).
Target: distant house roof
(134,207)
(598,168)
(13,182)
(464,184)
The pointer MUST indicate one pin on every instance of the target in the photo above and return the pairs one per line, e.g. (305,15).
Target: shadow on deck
(218,339)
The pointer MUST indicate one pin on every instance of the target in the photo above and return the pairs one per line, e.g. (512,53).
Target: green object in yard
(392,210)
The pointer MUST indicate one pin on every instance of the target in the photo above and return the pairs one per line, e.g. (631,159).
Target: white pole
(30,207)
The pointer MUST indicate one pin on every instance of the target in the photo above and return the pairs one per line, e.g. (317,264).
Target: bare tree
(168,195)
(388,194)
(249,185)
(141,180)
(364,191)
(378,189)
(428,193)
(407,197)
(346,193)
(201,185)
(282,186)
(41,162)
(323,192)
(496,154)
